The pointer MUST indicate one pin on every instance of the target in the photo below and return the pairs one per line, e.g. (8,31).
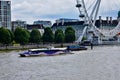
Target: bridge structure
(89,14)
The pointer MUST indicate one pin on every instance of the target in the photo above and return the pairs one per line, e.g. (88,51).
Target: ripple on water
(101,63)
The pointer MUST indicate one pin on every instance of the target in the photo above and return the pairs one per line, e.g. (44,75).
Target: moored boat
(76,48)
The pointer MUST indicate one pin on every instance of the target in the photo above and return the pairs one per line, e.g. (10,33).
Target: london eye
(91,10)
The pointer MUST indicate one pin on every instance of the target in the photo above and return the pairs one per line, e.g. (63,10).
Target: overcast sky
(31,10)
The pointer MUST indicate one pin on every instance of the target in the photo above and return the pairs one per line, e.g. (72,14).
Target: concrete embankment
(34,46)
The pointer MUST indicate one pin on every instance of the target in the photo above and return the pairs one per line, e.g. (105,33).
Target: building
(36,26)
(64,20)
(18,23)
(5,14)
(107,23)
(44,23)
(76,25)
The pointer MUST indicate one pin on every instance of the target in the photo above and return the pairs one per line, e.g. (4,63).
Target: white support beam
(98,6)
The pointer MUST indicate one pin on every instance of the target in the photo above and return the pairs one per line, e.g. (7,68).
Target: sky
(32,10)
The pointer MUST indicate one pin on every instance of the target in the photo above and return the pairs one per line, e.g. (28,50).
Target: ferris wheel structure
(88,12)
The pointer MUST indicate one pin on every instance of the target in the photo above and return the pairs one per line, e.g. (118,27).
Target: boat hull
(45,52)
(76,48)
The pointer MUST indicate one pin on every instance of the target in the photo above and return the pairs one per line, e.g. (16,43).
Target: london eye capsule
(81,15)
(78,5)
(86,24)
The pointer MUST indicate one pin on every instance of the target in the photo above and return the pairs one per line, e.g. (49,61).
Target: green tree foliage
(35,36)
(18,35)
(25,37)
(48,35)
(5,37)
(84,38)
(59,36)
(27,32)
(11,35)
(21,36)
(69,35)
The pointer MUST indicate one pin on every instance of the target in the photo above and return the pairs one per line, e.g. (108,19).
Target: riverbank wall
(21,47)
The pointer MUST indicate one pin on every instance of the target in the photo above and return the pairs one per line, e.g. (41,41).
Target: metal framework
(91,19)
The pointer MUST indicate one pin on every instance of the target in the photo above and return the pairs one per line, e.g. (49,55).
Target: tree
(11,35)
(35,36)
(48,35)
(5,37)
(18,35)
(28,34)
(69,29)
(59,36)
(84,38)
(21,36)
(69,35)
(25,37)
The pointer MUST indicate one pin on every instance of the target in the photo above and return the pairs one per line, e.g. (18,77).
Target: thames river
(101,63)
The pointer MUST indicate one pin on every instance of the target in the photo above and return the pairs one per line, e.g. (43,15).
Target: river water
(101,63)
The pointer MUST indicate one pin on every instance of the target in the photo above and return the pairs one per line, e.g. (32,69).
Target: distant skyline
(32,10)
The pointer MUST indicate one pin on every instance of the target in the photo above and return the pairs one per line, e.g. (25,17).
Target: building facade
(19,23)
(64,20)
(36,26)
(5,14)
(107,23)
(77,26)
(44,23)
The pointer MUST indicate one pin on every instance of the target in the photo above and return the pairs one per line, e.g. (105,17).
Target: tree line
(23,36)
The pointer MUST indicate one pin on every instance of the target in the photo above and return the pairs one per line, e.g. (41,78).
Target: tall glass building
(5,14)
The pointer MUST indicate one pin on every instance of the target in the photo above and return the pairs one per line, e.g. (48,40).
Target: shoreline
(33,46)
(25,47)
